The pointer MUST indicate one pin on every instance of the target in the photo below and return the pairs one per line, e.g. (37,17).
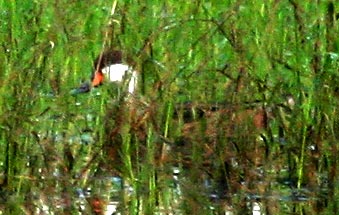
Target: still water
(205,165)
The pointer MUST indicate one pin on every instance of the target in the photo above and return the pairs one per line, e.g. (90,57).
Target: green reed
(231,55)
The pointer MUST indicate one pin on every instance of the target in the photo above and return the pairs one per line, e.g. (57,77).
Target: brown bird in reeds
(109,67)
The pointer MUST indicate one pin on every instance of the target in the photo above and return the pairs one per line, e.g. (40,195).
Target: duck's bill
(83,88)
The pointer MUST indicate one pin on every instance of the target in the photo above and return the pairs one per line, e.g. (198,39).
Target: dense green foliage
(220,62)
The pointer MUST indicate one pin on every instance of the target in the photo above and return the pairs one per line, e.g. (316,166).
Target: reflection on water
(207,170)
(281,199)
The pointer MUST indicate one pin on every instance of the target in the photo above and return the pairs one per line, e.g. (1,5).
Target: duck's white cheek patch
(117,72)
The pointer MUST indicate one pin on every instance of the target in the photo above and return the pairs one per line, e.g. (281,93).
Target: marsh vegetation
(235,112)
